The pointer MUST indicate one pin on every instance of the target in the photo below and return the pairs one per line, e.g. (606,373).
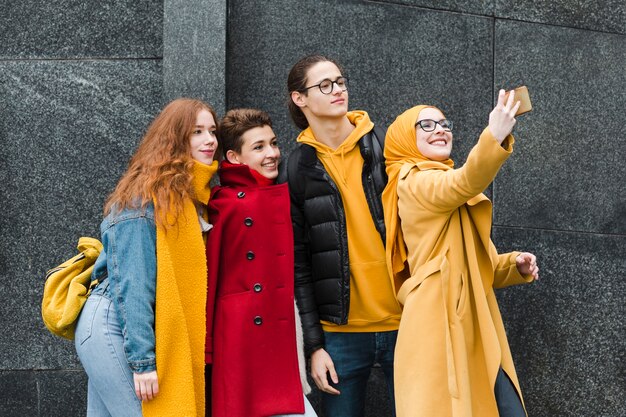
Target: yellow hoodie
(373,305)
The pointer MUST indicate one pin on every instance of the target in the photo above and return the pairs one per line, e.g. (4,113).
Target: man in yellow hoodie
(350,315)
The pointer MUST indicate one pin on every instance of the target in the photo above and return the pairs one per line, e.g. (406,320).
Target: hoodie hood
(362,124)
(336,157)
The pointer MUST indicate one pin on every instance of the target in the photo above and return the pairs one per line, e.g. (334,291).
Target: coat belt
(439,263)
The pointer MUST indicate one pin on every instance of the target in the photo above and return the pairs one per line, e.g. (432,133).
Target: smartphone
(521,94)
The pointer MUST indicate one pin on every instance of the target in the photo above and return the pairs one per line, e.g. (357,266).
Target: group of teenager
(361,248)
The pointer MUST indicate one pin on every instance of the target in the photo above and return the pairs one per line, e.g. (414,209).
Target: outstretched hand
(527,264)
(502,117)
(321,367)
(146,385)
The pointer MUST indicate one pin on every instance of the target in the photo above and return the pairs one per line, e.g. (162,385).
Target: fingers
(501,95)
(534,269)
(333,373)
(510,100)
(146,385)
(515,108)
(137,388)
(502,117)
(326,387)
(322,367)
(321,380)
(527,264)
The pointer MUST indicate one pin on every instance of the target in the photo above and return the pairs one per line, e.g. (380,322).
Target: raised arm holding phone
(452,355)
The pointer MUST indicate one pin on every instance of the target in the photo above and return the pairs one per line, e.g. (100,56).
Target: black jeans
(509,403)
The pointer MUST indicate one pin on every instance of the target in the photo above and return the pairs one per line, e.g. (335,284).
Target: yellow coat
(451,340)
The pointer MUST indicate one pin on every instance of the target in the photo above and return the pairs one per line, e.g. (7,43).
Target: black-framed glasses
(428,125)
(326,86)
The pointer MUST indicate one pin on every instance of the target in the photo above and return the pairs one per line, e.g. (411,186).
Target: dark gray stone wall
(81,80)
(79,83)
(560,195)
(194,53)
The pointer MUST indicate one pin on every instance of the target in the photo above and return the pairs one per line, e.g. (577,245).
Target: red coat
(251,337)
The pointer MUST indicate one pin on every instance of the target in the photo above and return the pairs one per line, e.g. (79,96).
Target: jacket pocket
(461,305)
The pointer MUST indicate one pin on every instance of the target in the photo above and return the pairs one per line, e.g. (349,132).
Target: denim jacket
(129,258)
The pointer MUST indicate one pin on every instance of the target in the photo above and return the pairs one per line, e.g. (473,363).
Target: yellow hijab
(400,149)
(180,308)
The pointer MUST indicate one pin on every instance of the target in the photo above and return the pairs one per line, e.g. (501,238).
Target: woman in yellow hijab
(452,355)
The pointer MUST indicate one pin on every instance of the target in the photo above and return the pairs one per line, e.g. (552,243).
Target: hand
(527,264)
(146,385)
(502,117)
(321,364)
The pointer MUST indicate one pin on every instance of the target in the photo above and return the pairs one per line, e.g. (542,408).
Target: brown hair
(162,164)
(236,122)
(297,80)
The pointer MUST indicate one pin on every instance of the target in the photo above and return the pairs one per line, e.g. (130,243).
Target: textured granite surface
(18,393)
(194,56)
(599,15)
(483,7)
(392,64)
(79,29)
(567,171)
(62,393)
(67,131)
(43,393)
(566,331)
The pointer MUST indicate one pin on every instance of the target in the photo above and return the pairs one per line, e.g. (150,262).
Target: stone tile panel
(18,393)
(67,132)
(566,331)
(194,57)
(567,171)
(62,393)
(88,29)
(598,15)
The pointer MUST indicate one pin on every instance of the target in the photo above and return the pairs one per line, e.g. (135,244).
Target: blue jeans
(354,354)
(99,344)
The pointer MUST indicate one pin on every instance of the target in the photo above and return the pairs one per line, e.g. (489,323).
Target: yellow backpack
(67,288)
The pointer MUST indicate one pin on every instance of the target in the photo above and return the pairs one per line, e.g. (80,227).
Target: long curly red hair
(162,165)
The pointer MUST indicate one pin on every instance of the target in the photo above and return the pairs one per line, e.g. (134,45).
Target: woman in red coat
(251,323)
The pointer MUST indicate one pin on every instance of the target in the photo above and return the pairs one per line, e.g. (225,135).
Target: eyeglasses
(428,125)
(326,86)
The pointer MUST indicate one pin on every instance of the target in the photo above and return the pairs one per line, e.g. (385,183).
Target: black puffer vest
(322,266)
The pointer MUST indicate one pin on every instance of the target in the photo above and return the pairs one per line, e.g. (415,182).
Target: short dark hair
(296,81)
(235,123)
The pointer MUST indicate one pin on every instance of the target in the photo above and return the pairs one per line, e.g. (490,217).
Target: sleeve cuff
(140,367)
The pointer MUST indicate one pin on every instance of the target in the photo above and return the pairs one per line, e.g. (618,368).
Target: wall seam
(543,229)
(226,60)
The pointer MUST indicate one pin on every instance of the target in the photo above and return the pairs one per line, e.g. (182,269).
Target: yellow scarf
(180,316)
(400,148)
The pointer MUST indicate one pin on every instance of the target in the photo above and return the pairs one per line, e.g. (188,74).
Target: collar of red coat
(239,175)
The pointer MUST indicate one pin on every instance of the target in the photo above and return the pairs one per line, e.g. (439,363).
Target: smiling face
(259,151)
(316,104)
(435,145)
(203,142)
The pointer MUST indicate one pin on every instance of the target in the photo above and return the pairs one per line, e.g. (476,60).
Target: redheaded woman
(140,336)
